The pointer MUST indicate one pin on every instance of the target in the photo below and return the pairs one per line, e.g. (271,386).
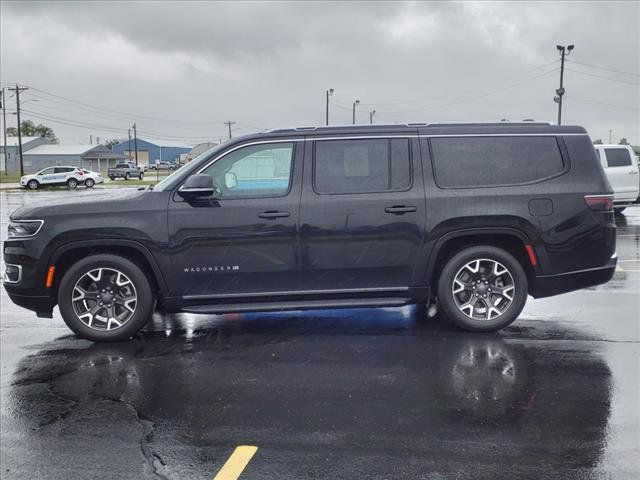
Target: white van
(621,167)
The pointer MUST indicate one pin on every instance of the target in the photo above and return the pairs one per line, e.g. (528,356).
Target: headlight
(24,228)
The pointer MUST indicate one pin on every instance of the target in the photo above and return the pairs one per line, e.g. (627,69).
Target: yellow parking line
(236,463)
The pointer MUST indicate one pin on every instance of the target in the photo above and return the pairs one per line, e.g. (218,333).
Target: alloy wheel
(104,299)
(483,289)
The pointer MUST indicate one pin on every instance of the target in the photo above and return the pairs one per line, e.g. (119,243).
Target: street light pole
(329,93)
(371,114)
(354,110)
(560,91)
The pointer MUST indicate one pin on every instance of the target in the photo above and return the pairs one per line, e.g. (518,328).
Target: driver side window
(254,171)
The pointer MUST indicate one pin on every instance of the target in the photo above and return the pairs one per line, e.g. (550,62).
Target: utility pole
(560,91)
(610,138)
(228,124)
(354,110)
(129,149)
(90,139)
(18,90)
(135,141)
(371,114)
(4,129)
(329,93)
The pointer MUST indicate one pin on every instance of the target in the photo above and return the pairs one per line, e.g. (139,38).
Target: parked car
(163,166)
(59,175)
(621,166)
(466,218)
(91,178)
(125,170)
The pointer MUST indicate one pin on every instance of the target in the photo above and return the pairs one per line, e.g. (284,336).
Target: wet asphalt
(339,394)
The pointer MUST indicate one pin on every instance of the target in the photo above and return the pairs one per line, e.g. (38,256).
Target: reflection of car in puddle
(383,386)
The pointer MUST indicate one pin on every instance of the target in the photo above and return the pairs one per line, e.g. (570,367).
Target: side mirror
(197,186)
(230,180)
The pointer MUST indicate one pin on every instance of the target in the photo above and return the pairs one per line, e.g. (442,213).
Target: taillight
(600,203)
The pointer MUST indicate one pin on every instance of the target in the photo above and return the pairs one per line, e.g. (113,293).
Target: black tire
(126,176)
(112,178)
(33,184)
(447,302)
(142,311)
(618,210)
(89,183)
(72,183)
(141,176)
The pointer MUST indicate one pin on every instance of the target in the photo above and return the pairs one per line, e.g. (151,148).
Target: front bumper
(549,285)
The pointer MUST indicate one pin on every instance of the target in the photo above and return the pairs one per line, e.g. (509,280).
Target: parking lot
(339,394)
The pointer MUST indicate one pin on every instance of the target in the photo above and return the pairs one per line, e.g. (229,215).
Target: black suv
(468,217)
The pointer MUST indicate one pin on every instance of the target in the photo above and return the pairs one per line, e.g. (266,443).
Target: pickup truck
(125,170)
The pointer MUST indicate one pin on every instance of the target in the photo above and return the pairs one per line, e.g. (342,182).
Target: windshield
(176,177)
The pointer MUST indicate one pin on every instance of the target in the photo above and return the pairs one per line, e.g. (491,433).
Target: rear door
(362,215)
(622,172)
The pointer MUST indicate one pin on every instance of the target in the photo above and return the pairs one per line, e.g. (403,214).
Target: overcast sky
(181,69)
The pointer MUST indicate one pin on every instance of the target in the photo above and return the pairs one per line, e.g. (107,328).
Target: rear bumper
(549,285)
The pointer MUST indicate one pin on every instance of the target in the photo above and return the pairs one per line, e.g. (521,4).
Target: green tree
(598,142)
(30,129)
(623,141)
(111,142)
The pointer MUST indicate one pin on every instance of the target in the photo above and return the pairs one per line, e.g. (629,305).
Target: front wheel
(89,183)
(141,176)
(105,298)
(482,289)
(72,183)
(126,176)
(33,185)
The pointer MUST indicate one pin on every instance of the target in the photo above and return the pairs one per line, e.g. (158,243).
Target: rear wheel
(72,183)
(105,298)
(141,176)
(89,183)
(126,176)
(33,184)
(482,289)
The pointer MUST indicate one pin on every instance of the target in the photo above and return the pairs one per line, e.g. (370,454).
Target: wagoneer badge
(207,269)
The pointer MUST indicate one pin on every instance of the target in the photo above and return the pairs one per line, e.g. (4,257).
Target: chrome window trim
(248,144)
(389,135)
(26,221)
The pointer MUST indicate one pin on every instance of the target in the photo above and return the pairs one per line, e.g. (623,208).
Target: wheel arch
(66,255)
(510,239)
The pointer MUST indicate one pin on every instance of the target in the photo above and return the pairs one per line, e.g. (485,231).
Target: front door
(242,241)
(362,215)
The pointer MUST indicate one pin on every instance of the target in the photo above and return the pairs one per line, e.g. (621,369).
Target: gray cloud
(268,64)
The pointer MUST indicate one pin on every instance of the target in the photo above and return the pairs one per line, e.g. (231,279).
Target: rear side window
(361,166)
(618,157)
(494,161)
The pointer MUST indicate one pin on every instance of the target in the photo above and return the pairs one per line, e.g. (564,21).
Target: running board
(298,305)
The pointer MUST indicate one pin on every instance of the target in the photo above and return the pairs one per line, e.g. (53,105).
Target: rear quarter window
(617,157)
(461,162)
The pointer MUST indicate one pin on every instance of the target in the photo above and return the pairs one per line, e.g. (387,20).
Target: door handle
(633,172)
(274,214)
(399,209)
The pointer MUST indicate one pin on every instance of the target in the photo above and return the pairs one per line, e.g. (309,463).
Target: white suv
(621,167)
(62,175)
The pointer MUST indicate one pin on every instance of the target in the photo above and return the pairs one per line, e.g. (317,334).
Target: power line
(604,103)
(605,68)
(469,91)
(604,78)
(470,99)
